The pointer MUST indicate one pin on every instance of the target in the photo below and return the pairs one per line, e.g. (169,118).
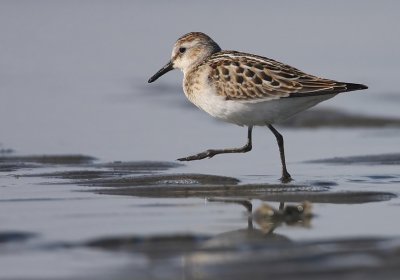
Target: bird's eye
(182,50)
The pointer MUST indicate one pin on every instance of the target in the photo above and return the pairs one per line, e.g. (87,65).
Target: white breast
(252,113)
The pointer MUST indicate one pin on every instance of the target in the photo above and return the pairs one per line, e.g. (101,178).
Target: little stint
(245,89)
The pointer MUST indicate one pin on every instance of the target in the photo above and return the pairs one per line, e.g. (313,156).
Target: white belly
(254,113)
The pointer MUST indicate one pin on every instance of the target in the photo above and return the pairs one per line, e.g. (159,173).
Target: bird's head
(188,51)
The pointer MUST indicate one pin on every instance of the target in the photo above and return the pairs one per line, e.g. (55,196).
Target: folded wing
(247,77)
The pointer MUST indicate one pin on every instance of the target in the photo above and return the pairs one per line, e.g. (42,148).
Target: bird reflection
(267,218)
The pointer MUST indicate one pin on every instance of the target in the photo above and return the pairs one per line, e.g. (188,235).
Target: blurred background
(73,74)
(73,80)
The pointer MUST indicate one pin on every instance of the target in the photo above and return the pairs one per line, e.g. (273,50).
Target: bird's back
(248,77)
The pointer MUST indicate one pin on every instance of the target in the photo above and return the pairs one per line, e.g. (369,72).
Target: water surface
(88,179)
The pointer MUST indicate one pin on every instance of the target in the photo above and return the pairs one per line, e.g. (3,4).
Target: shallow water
(73,83)
(63,214)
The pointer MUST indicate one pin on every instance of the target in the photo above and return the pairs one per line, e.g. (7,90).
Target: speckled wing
(246,77)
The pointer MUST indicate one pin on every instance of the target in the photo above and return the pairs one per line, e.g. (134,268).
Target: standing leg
(210,153)
(285,174)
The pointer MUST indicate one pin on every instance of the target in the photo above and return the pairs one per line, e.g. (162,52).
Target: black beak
(168,67)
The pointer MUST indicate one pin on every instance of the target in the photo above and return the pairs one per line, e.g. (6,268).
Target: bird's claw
(199,156)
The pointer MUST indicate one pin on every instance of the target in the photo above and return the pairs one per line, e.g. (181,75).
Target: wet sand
(255,249)
(89,185)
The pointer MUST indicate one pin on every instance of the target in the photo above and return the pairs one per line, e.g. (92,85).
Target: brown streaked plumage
(247,77)
(245,89)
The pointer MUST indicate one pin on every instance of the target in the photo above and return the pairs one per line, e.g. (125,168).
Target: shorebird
(245,89)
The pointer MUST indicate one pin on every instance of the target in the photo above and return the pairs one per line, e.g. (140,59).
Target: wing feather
(247,77)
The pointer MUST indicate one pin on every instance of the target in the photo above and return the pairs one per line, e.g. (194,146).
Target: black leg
(285,174)
(210,153)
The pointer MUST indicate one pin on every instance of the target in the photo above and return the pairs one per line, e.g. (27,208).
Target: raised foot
(202,155)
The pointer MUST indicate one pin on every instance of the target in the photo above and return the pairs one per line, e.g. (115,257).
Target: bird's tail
(352,87)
